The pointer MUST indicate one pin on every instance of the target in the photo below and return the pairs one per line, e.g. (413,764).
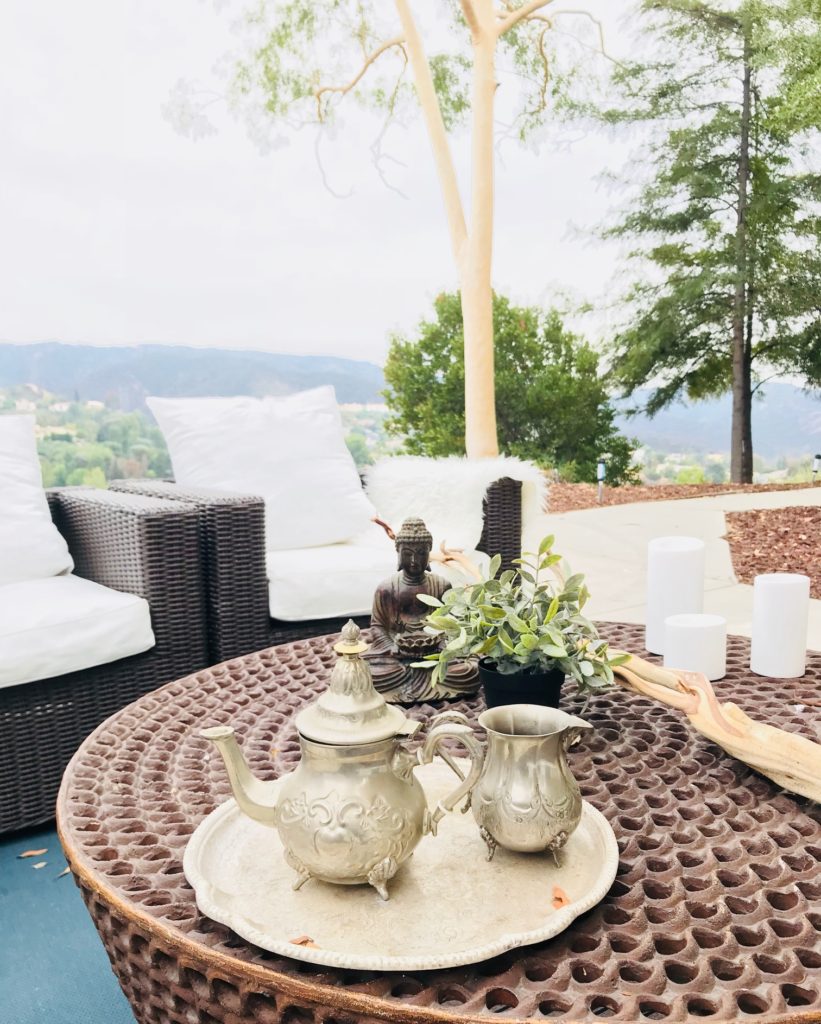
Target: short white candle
(675,584)
(696,643)
(781,605)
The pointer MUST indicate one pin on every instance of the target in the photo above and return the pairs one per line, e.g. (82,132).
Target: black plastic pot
(525,687)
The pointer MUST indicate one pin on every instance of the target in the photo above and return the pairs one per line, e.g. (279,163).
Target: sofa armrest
(502,512)
(143,546)
(232,541)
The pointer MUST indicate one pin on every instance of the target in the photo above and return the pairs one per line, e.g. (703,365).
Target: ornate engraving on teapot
(356,837)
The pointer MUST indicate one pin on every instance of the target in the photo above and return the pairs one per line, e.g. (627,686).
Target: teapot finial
(350,642)
(351,710)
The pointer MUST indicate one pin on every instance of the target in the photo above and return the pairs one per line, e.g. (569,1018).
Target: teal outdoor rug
(53,968)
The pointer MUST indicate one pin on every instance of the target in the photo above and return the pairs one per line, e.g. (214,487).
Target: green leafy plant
(529,618)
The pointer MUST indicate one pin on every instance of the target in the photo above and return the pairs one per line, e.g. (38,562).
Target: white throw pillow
(31,547)
(290,451)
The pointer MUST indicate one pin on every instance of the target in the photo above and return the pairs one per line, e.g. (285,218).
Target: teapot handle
(453,730)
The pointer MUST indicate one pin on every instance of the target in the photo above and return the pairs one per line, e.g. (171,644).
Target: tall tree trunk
(472,251)
(741,449)
(477,292)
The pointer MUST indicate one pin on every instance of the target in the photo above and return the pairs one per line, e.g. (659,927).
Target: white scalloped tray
(448,904)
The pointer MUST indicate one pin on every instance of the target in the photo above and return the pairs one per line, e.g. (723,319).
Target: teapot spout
(255,798)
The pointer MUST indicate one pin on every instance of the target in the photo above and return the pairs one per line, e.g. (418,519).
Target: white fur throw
(447,493)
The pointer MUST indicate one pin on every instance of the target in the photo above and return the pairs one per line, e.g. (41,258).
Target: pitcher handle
(575,728)
(429,749)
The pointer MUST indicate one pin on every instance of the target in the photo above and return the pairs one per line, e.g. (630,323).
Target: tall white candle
(675,584)
(696,643)
(781,605)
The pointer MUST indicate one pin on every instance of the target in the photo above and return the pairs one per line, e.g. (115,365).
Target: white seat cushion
(290,451)
(64,624)
(339,579)
(31,546)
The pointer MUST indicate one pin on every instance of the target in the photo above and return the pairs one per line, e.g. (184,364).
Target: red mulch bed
(777,540)
(571,497)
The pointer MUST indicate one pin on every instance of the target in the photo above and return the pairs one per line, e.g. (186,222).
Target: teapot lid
(351,710)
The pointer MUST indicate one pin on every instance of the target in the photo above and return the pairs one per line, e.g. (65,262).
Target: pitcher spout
(255,798)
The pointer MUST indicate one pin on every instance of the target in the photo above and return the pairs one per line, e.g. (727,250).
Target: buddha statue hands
(398,636)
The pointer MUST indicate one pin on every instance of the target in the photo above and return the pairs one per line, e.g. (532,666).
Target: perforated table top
(715,913)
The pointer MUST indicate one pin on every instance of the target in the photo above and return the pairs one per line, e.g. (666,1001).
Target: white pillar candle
(675,584)
(696,643)
(781,605)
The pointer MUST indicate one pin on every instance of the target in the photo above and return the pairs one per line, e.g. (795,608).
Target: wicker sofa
(139,545)
(232,535)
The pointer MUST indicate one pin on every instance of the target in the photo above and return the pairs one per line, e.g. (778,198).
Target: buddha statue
(398,637)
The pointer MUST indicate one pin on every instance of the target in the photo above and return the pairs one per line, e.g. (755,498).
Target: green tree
(800,94)
(552,404)
(691,475)
(726,230)
(715,473)
(358,447)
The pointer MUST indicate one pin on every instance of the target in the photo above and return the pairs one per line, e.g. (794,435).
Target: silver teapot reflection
(352,811)
(527,799)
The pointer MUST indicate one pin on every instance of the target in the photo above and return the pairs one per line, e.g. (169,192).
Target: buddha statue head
(413,545)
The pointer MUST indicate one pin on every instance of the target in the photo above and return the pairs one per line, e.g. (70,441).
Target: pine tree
(726,230)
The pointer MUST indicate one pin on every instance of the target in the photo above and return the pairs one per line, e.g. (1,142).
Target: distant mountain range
(126,375)
(786,420)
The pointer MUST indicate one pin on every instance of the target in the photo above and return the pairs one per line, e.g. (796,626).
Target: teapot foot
(490,842)
(555,847)
(380,874)
(303,874)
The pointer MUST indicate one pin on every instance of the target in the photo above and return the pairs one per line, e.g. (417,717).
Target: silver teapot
(352,811)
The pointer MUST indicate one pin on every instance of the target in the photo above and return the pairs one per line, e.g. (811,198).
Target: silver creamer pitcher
(352,811)
(527,799)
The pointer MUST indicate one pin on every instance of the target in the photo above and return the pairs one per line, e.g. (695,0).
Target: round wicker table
(715,913)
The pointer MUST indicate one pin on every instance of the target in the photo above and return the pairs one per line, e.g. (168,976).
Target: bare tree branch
(471,17)
(542,104)
(322,173)
(549,22)
(599,27)
(763,381)
(437,133)
(514,17)
(398,41)
(378,156)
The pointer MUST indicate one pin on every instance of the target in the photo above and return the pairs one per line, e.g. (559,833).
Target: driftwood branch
(446,556)
(791,761)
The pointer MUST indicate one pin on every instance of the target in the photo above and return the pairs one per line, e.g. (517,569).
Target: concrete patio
(609,545)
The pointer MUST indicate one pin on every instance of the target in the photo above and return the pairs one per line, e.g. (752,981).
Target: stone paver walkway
(609,545)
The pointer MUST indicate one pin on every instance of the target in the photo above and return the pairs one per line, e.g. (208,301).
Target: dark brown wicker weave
(140,545)
(715,913)
(233,552)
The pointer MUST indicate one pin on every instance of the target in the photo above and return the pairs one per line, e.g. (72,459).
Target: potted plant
(527,629)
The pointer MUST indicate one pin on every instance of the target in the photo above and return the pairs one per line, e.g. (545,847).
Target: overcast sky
(115,229)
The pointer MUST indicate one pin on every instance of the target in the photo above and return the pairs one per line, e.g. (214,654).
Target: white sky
(114,229)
